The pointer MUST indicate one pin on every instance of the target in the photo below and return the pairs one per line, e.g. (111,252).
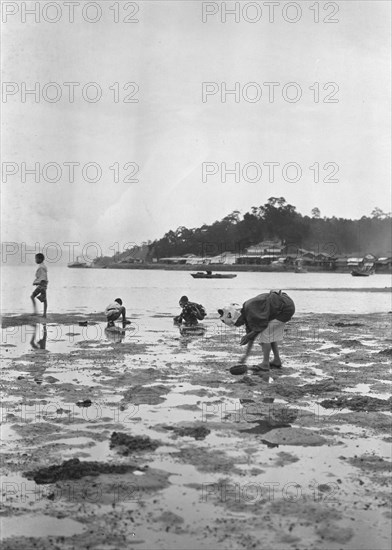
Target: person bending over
(264,317)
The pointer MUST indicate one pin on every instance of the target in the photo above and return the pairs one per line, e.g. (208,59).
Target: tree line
(278,220)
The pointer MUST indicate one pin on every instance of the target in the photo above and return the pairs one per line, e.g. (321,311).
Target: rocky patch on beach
(196,432)
(358,403)
(148,395)
(76,469)
(126,444)
(386,352)
(294,436)
(371,462)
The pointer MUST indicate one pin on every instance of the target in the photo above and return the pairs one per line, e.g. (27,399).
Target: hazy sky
(171,132)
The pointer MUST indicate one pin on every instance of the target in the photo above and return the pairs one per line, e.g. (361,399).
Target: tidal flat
(144,439)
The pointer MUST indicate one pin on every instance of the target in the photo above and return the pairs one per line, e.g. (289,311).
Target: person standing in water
(41,282)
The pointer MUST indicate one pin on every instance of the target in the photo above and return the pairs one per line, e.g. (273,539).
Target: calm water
(157,292)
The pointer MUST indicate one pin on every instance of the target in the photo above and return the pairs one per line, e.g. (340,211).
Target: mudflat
(145,439)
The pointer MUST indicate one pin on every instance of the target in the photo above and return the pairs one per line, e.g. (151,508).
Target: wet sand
(151,443)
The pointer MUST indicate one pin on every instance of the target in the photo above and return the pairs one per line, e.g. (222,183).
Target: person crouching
(191,313)
(114,311)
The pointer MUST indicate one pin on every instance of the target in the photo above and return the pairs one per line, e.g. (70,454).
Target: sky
(166,139)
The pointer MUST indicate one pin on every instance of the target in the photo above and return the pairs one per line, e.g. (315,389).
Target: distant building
(305,257)
(384,265)
(353,262)
(252,259)
(324,260)
(172,260)
(227,258)
(192,259)
(263,253)
(271,248)
(341,262)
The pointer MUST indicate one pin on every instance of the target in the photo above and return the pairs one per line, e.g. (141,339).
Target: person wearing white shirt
(41,282)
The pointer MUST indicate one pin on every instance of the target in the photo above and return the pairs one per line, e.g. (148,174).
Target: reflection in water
(115,334)
(184,342)
(190,334)
(40,334)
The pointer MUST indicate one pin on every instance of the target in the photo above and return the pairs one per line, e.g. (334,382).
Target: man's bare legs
(266,355)
(266,348)
(37,295)
(247,352)
(124,317)
(35,312)
(275,350)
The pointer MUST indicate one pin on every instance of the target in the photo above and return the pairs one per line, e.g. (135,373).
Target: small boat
(366,267)
(210,275)
(362,272)
(78,264)
(300,269)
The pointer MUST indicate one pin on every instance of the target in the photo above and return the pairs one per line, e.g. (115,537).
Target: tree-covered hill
(278,220)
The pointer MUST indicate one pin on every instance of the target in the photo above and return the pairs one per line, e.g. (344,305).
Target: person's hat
(230,314)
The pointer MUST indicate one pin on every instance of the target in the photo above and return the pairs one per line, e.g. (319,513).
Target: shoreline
(227,267)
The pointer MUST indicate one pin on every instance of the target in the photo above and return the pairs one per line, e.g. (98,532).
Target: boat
(210,275)
(366,267)
(361,272)
(78,264)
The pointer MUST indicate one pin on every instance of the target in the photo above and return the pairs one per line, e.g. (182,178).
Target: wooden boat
(209,275)
(366,267)
(362,272)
